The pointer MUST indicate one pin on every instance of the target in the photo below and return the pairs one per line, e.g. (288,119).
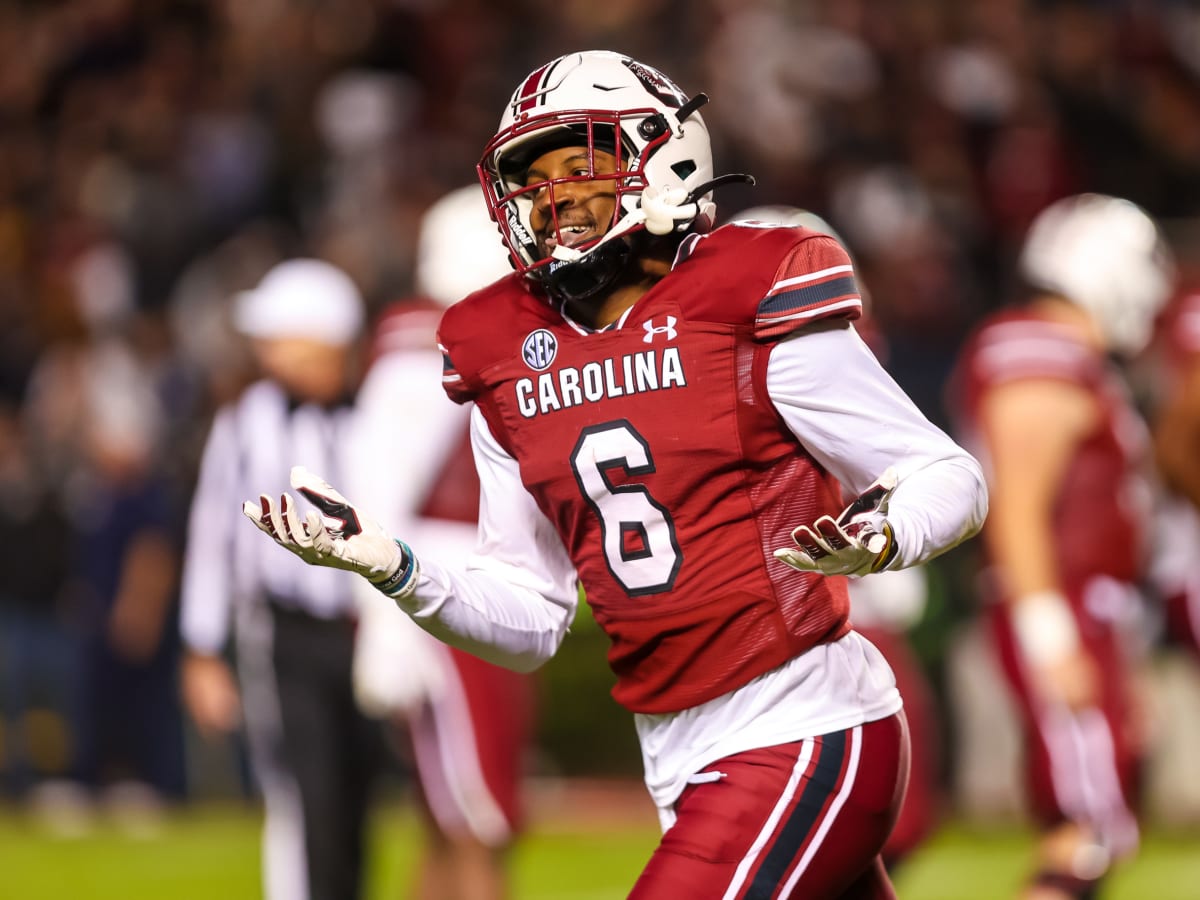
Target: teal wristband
(404,578)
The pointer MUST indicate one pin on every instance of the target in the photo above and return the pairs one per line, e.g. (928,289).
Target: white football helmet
(607,101)
(1106,255)
(457,251)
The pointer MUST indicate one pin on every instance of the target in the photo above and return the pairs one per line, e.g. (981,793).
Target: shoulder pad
(478,329)
(775,279)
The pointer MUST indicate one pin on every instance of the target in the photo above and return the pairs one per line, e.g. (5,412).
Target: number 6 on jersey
(640,546)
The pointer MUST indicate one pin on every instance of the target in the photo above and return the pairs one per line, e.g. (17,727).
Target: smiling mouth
(568,236)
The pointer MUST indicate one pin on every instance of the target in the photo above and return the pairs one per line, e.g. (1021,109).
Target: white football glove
(858,542)
(338,536)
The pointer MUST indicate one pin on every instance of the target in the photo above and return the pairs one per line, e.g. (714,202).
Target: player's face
(571,212)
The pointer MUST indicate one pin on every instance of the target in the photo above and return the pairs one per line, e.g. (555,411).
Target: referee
(291,626)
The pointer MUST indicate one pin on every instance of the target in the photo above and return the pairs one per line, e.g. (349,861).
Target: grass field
(212,852)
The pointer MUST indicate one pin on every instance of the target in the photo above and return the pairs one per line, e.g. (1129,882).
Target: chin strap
(661,208)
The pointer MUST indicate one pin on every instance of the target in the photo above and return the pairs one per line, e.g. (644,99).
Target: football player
(1050,417)
(669,414)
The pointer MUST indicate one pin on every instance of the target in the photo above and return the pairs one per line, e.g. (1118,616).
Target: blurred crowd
(157,156)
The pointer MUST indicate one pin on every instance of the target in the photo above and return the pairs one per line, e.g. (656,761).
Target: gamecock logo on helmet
(657,84)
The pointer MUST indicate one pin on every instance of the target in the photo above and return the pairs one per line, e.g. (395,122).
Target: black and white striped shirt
(253,444)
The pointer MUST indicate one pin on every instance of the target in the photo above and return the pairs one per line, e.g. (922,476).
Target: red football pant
(470,749)
(803,820)
(1081,766)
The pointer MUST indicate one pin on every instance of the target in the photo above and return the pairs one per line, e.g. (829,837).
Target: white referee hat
(302,298)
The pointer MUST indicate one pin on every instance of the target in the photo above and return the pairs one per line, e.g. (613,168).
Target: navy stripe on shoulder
(808,295)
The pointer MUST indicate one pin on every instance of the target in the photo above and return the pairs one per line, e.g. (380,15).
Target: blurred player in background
(1066,455)
(669,414)
(1176,418)
(469,722)
(882,609)
(313,752)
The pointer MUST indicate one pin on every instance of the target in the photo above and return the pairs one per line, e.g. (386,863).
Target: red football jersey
(1100,516)
(653,448)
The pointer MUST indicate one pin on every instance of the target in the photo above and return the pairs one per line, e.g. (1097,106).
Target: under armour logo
(668,330)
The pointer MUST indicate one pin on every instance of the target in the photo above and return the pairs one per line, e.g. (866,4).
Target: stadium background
(155,156)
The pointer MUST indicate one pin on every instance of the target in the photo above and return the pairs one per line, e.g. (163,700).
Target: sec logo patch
(539,349)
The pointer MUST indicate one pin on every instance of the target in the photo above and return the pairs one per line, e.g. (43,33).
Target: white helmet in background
(780,214)
(1106,255)
(457,250)
(603,101)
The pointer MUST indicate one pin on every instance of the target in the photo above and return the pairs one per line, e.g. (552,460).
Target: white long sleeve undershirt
(856,421)
(513,603)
